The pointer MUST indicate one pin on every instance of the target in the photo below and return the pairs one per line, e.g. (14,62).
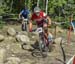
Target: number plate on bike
(39,30)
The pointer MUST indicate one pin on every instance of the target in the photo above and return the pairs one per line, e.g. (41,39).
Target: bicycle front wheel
(43,49)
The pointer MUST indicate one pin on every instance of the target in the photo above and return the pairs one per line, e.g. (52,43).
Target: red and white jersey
(39,18)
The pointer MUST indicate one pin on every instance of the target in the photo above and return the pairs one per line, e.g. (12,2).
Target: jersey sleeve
(44,15)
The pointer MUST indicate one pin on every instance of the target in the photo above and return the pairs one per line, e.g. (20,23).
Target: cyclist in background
(42,20)
(24,14)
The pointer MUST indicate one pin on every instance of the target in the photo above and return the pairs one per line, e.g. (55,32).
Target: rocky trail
(11,51)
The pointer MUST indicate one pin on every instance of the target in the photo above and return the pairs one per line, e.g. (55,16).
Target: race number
(39,30)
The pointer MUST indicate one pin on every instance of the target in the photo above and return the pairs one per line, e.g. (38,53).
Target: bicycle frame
(41,34)
(42,43)
(24,24)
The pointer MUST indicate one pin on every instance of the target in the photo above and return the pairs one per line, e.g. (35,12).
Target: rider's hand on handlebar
(30,30)
(49,25)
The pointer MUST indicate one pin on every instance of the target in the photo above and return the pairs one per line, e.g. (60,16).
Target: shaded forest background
(58,10)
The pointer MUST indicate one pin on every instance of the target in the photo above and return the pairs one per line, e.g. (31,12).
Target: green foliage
(1,11)
(66,25)
(1,24)
(54,4)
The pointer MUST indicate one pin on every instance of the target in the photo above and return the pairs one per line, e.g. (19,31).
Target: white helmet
(36,9)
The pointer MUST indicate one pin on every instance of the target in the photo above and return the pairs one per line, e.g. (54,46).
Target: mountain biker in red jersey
(40,18)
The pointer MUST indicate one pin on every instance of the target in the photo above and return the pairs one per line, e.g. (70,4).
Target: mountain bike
(24,24)
(42,48)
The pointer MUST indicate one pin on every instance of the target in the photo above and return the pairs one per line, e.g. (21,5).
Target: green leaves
(54,6)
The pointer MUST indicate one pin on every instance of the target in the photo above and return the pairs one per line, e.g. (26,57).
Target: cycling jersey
(25,13)
(39,19)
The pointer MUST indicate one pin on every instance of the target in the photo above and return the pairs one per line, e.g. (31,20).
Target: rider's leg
(45,32)
(48,35)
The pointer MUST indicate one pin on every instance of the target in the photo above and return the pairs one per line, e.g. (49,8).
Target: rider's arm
(30,25)
(20,14)
(49,20)
(30,21)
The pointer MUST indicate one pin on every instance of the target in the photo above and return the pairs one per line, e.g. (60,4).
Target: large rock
(1,37)
(13,60)
(22,38)
(11,32)
(2,55)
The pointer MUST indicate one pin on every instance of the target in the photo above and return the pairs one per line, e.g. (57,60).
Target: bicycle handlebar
(58,23)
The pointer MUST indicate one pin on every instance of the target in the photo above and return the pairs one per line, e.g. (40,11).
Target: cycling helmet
(36,9)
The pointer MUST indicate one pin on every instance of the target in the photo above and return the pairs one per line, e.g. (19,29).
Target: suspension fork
(24,25)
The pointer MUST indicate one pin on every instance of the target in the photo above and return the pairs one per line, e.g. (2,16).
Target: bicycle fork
(24,26)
